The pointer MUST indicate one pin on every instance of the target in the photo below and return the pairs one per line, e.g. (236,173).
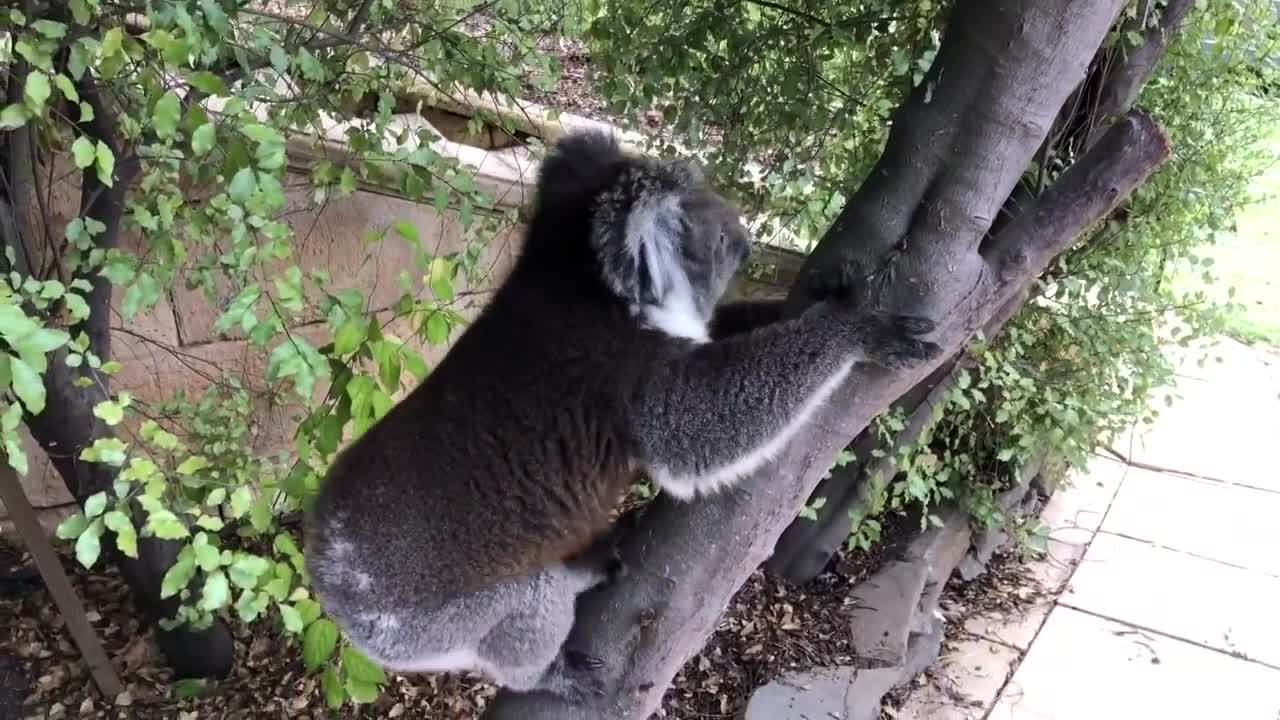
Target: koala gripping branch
(685,560)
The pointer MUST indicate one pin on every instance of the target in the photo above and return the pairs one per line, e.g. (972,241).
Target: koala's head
(667,243)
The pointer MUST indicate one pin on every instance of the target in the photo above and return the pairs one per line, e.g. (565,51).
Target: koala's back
(508,457)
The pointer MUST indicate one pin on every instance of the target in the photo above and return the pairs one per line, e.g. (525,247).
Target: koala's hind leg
(524,650)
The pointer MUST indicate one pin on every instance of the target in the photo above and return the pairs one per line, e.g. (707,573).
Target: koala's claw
(582,662)
(912,325)
(891,344)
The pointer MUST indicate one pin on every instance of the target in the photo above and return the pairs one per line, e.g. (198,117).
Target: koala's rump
(474,478)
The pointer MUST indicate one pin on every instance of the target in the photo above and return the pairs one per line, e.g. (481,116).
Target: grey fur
(457,532)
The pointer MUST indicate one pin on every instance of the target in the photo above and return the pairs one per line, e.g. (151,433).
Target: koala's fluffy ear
(637,241)
(577,167)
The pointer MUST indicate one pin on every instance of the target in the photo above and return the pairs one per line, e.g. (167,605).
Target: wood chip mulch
(769,629)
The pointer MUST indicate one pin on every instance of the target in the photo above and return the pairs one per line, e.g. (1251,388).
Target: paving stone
(1086,668)
(883,607)
(1216,520)
(1198,600)
(963,684)
(843,693)
(1073,514)
(1224,426)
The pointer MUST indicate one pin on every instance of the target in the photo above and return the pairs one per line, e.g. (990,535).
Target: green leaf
(295,358)
(440,279)
(53,290)
(80,11)
(143,293)
(109,411)
(247,606)
(260,514)
(318,643)
(216,497)
(66,87)
(193,465)
(278,589)
(437,329)
(292,620)
(177,576)
(349,336)
(14,116)
(50,29)
(33,346)
(89,544)
(216,592)
(241,499)
(71,527)
(308,610)
(242,185)
(27,385)
(408,231)
(210,523)
(361,692)
(11,418)
(37,90)
(202,140)
(112,41)
(247,569)
(358,667)
(165,116)
(208,557)
(166,525)
(188,688)
(285,545)
(334,693)
(126,536)
(96,503)
(110,451)
(207,83)
(106,164)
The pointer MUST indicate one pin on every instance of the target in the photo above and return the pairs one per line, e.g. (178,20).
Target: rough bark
(958,146)
(1110,89)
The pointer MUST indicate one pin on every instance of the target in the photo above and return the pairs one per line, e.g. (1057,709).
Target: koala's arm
(713,413)
(744,316)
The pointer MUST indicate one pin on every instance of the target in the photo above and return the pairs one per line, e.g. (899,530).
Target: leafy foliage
(213,102)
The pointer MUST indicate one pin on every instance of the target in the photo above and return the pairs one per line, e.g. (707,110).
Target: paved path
(1168,569)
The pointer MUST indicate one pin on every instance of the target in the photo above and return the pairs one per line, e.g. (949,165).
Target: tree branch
(1123,83)
(106,205)
(17,180)
(1108,92)
(1119,162)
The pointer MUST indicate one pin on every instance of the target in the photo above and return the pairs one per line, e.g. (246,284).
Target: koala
(458,531)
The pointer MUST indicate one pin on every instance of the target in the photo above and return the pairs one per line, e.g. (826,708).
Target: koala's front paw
(575,677)
(890,341)
(602,559)
(578,661)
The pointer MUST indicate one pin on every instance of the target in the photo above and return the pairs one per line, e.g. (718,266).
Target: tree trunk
(67,424)
(958,146)
(1110,89)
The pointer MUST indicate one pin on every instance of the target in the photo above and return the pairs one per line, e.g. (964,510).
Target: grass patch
(1249,260)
